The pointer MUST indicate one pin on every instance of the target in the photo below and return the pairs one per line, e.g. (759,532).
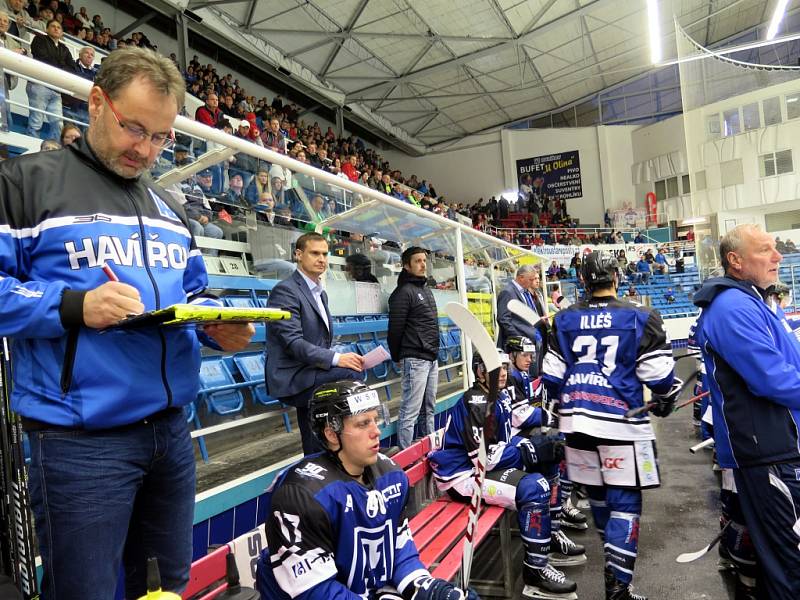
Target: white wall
(616,157)
(472,169)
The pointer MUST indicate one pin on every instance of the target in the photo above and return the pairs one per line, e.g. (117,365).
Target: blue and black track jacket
(62,215)
(752,363)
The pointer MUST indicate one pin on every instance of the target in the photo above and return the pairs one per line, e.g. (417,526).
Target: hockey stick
(688,557)
(633,412)
(523,311)
(484,344)
(701,445)
(25,562)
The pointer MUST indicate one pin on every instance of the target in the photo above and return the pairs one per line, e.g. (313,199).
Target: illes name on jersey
(596,321)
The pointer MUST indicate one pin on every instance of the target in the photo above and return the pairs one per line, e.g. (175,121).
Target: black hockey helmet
(520,343)
(598,268)
(477,361)
(779,289)
(331,403)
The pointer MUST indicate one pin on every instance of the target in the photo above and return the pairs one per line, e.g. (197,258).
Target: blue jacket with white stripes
(752,361)
(62,215)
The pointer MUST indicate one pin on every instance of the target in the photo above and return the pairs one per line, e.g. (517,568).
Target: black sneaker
(616,590)
(565,552)
(571,517)
(547,583)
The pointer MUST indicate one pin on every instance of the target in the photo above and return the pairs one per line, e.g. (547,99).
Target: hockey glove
(429,588)
(528,456)
(664,403)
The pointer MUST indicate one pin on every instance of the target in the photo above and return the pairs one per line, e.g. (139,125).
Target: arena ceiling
(440,70)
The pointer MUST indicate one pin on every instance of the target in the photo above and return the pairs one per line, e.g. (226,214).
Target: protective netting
(738,139)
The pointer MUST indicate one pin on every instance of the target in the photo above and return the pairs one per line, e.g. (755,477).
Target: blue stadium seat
(455,343)
(251,367)
(214,373)
(381,371)
(238,301)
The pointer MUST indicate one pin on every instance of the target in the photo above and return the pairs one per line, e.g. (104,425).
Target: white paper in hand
(375,357)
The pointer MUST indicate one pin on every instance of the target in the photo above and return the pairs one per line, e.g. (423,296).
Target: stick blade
(688,557)
(475,331)
(523,311)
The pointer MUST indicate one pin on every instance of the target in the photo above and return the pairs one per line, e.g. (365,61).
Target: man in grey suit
(509,323)
(299,358)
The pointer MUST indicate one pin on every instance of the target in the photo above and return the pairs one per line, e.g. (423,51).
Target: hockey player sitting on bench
(336,524)
(529,414)
(514,481)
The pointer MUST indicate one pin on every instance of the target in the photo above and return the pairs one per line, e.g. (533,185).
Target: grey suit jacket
(509,323)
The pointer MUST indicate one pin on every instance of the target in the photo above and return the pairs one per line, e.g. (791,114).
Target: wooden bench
(438,529)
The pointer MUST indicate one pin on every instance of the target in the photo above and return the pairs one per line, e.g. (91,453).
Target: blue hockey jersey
(527,395)
(332,538)
(458,456)
(601,353)
(753,363)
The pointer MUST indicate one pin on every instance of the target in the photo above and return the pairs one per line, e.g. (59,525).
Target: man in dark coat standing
(414,343)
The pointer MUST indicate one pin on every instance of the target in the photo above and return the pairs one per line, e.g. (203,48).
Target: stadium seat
(251,367)
(191,417)
(214,373)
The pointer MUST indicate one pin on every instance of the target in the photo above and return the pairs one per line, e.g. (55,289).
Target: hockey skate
(547,583)
(616,590)
(582,498)
(565,552)
(571,517)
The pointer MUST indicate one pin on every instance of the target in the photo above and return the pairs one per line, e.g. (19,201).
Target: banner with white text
(554,175)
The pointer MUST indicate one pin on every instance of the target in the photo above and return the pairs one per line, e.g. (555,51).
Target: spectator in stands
(552,271)
(644,270)
(49,146)
(313,157)
(83,17)
(97,23)
(181,155)
(690,235)
(619,238)
(350,169)
(669,296)
(660,262)
(272,138)
(632,290)
(209,114)
(243,163)
(45,15)
(790,247)
(298,354)
(69,133)
(198,209)
(19,19)
(622,259)
(48,49)
(233,194)
(8,42)
(284,216)
(258,187)
(413,339)
(639,239)
(780,246)
(679,263)
(359,268)
(632,272)
(85,66)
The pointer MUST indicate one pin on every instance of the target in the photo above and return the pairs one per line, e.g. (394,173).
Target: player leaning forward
(602,351)
(336,524)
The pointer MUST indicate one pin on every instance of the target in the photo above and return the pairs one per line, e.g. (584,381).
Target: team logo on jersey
(420,296)
(372,557)
(312,471)
(90,252)
(479,399)
(390,492)
(163,208)
(375,504)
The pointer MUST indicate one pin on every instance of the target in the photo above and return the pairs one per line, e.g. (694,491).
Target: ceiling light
(654,27)
(777,17)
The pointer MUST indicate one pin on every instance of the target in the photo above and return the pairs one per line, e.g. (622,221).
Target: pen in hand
(109,272)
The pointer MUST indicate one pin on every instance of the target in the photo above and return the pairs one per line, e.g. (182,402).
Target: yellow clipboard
(188,314)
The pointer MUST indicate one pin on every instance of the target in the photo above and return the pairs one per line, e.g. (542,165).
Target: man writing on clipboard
(112,471)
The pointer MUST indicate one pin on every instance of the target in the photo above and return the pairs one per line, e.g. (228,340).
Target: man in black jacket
(50,50)
(414,342)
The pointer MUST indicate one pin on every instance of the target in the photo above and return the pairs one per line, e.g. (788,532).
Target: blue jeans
(208,230)
(103,498)
(43,98)
(420,378)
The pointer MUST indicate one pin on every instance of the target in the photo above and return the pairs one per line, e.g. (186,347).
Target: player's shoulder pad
(474,396)
(313,472)
(385,465)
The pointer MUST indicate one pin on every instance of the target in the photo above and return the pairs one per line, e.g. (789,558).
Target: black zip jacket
(413,320)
